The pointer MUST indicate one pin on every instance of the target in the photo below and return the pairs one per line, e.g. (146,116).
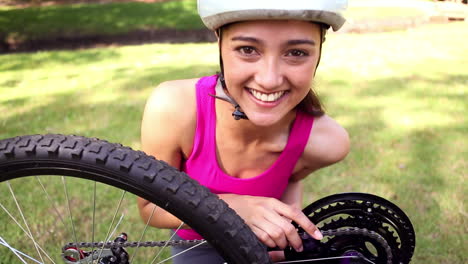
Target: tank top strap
(297,141)
(205,117)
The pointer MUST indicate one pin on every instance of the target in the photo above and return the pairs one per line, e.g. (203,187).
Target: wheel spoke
(318,259)
(50,200)
(25,232)
(115,228)
(94,215)
(167,242)
(143,233)
(24,220)
(70,212)
(113,220)
(182,252)
(17,252)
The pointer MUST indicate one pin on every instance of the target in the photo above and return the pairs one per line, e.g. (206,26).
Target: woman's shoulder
(174,98)
(328,143)
(173,93)
(170,114)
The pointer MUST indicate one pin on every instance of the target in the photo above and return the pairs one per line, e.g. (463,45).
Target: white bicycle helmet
(216,13)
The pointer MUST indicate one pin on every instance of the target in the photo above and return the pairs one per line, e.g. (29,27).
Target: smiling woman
(273,61)
(269,52)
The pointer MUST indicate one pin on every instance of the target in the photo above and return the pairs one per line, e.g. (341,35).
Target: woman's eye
(297,53)
(247,50)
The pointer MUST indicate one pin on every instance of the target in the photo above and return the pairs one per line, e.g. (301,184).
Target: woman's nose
(269,75)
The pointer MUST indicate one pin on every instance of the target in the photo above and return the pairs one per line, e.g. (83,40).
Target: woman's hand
(270,220)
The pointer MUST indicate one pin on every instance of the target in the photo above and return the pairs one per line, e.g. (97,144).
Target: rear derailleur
(104,255)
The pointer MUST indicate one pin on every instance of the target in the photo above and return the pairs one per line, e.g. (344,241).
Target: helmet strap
(222,92)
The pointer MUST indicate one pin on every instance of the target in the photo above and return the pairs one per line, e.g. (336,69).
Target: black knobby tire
(140,174)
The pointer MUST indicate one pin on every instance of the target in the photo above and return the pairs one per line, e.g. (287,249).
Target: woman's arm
(168,120)
(328,144)
(271,219)
(293,194)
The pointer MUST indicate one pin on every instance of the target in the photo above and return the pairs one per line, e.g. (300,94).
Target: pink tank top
(202,165)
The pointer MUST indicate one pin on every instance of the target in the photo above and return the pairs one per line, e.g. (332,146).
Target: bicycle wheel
(35,160)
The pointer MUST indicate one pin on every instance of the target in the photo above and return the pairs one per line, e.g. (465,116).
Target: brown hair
(311,103)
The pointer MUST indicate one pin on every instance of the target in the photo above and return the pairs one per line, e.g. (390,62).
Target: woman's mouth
(268,98)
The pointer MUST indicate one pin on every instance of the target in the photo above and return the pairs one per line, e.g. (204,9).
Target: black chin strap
(221,94)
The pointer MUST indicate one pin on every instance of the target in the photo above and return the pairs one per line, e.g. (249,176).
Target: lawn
(401,95)
(90,19)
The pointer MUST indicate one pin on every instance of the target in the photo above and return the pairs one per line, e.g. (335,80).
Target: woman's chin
(263,120)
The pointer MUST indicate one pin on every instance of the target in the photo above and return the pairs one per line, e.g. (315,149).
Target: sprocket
(362,211)
(385,231)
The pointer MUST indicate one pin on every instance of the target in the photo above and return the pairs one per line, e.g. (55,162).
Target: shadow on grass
(112,18)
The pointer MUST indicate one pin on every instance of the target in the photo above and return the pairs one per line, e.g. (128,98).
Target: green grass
(97,19)
(402,96)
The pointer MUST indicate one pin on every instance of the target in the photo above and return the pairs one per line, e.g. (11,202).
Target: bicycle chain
(189,243)
(170,243)
(363,232)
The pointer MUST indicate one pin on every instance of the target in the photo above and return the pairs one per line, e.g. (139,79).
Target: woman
(269,52)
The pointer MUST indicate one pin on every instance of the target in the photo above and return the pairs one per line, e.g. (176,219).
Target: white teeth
(266,97)
(271,97)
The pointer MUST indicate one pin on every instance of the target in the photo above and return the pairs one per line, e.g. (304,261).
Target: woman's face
(269,66)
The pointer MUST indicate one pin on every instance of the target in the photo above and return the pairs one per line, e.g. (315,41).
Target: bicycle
(356,226)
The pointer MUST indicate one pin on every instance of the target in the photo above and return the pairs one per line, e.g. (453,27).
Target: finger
(310,228)
(300,218)
(263,237)
(288,233)
(271,225)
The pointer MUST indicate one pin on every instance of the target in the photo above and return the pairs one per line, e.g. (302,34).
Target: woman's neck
(246,131)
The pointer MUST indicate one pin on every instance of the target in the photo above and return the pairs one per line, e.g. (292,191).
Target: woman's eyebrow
(301,41)
(248,39)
